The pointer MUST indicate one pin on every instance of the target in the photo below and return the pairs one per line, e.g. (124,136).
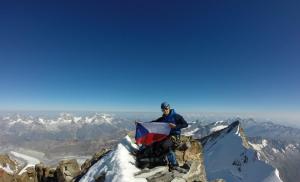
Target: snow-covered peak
(77,119)
(198,130)
(6,118)
(64,126)
(226,156)
(259,147)
(62,119)
(290,147)
(65,118)
(218,125)
(218,122)
(217,128)
(18,119)
(100,119)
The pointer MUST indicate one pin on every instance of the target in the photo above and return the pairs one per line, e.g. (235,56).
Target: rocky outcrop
(189,155)
(67,170)
(7,169)
(29,175)
(45,174)
(6,177)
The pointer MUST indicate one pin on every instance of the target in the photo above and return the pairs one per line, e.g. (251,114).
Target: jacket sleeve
(180,122)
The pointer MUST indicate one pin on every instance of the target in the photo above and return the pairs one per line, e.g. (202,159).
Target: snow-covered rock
(120,165)
(30,161)
(116,166)
(280,154)
(227,156)
(8,165)
(217,128)
(259,147)
(197,130)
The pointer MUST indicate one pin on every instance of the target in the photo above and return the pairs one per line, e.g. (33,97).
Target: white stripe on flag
(157,127)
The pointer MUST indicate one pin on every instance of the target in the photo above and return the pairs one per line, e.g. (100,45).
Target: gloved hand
(171,125)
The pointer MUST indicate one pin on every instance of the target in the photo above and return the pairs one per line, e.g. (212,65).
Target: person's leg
(172,158)
(168,146)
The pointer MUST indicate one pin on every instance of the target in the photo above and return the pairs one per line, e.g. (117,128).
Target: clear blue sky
(203,55)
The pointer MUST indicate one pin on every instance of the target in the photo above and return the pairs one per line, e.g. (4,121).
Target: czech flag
(150,132)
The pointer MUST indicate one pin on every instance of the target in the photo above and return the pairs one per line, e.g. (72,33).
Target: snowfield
(30,161)
(217,128)
(117,166)
(259,147)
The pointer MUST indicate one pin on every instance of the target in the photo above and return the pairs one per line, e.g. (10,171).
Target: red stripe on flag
(150,138)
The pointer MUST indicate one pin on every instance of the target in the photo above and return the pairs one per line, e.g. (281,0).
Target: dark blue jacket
(174,118)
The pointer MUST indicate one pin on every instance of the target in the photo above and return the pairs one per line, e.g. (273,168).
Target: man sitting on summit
(176,123)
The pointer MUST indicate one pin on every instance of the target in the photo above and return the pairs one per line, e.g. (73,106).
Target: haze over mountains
(34,138)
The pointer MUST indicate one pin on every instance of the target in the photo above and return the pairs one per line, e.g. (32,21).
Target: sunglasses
(165,109)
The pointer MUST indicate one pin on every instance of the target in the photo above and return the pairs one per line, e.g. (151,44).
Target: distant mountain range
(224,154)
(62,135)
(66,126)
(51,139)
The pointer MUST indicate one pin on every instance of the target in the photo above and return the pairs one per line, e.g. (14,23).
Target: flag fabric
(150,132)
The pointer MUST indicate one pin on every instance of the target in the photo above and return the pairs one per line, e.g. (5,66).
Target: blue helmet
(164,105)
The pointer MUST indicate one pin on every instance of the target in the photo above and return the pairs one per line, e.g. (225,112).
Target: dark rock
(29,175)
(67,170)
